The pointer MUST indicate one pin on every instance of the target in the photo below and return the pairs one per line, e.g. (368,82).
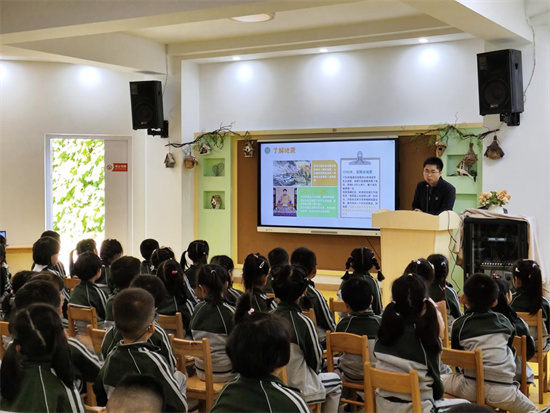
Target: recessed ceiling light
(423,40)
(323,50)
(255,18)
(236,58)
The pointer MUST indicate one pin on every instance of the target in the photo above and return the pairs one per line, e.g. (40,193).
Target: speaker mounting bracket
(162,132)
(511,119)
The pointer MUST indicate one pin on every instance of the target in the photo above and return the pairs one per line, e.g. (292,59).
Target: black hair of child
(53,234)
(124,270)
(502,305)
(147,247)
(289,282)
(223,261)
(85,245)
(87,266)
(259,343)
(434,160)
(305,257)
(133,311)
(481,291)
(255,267)
(50,277)
(410,299)
(423,268)
(197,252)
(153,285)
(441,268)
(37,291)
(110,249)
(213,277)
(528,272)
(17,281)
(172,275)
(278,256)
(137,392)
(43,250)
(38,331)
(363,259)
(2,253)
(356,293)
(160,255)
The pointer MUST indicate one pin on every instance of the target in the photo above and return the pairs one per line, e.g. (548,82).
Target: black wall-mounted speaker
(500,82)
(146,100)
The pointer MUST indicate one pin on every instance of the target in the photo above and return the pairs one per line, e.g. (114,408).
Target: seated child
(18,280)
(197,251)
(259,347)
(48,291)
(231,294)
(442,290)
(177,298)
(304,369)
(361,261)
(123,271)
(134,310)
(146,248)
(136,393)
(493,333)
(255,269)
(159,338)
(276,257)
(529,298)
(110,250)
(85,245)
(408,338)
(87,293)
(59,267)
(213,319)
(361,320)
(313,298)
(36,373)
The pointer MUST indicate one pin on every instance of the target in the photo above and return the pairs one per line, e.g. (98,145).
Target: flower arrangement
(498,198)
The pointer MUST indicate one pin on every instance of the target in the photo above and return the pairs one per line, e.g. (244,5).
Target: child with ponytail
(231,294)
(408,338)
(361,261)
(528,296)
(213,319)
(197,251)
(36,372)
(441,289)
(290,283)
(259,348)
(255,270)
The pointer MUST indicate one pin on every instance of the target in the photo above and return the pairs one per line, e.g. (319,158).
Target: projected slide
(326,184)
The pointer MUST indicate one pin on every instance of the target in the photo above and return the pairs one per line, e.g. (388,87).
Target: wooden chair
(84,314)
(350,344)
(71,283)
(337,306)
(96,335)
(310,314)
(442,306)
(172,323)
(540,357)
(472,360)
(520,344)
(4,331)
(406,383)
(207,390)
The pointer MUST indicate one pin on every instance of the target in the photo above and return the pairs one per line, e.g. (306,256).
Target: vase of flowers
(494,200)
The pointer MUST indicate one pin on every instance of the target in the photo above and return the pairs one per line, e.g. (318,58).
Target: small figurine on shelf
(216,202)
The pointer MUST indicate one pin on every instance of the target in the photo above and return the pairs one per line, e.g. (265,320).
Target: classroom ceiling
(137,35)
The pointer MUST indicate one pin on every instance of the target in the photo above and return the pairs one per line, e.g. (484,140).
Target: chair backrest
(173,323)
(310,314)
(346,343)
(535,320)
(188,348)
(96,335)
(520,344)
(472,360)
(406,383)
(70,283)
(337,306)
(442,307)
(86,314)
(283,375)
(4,331)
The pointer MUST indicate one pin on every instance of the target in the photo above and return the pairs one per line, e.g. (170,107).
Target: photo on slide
(284,201)
(291,173)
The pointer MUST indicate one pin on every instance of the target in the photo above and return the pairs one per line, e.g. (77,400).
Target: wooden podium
(407,235)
